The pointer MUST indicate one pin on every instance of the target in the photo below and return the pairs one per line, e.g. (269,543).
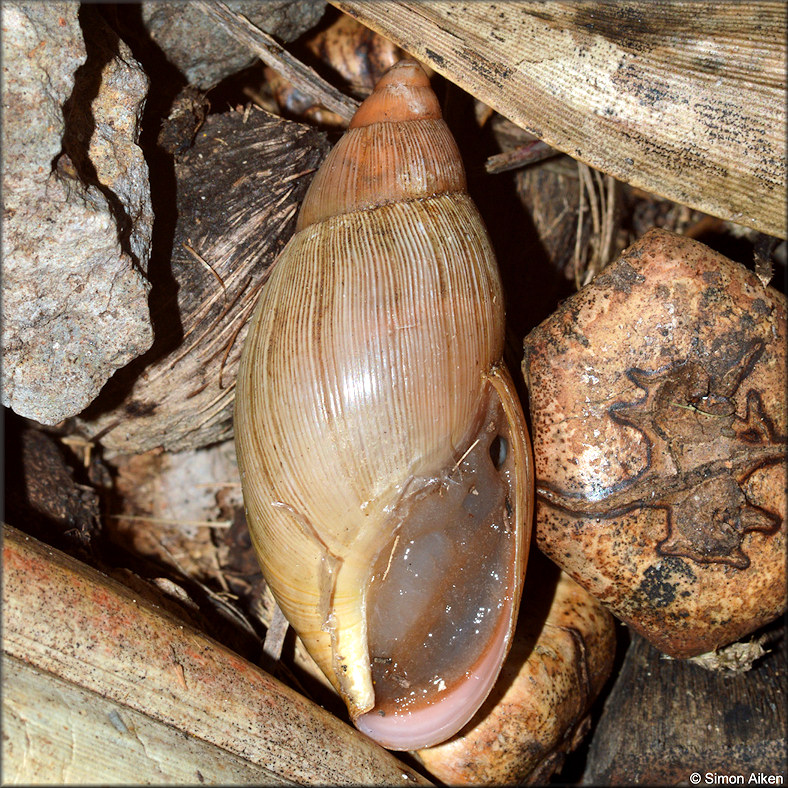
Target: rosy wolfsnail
(384,455)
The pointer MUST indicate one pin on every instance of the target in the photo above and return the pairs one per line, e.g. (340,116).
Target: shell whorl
(397,148)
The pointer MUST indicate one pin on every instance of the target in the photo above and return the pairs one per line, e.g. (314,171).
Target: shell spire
(397,148)
(403,93)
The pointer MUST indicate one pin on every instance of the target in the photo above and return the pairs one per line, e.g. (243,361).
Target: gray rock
(78,218)
(203,52)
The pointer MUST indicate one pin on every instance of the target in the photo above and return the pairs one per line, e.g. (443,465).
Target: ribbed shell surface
(361,373)
(382,163)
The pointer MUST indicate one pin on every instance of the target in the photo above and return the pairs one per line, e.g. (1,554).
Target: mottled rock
(657,398)
(77,218)
(204,52)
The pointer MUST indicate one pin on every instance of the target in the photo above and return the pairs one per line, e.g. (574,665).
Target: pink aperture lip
(442,718)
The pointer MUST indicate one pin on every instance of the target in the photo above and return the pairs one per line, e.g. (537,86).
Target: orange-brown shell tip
(402,93)
(383,157)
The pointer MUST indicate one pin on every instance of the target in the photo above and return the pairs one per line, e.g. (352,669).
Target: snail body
(384,455)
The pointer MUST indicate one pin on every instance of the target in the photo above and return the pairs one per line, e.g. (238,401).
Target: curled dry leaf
(359,55)
(687,105)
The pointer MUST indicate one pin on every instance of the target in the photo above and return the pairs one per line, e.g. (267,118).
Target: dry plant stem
(278,58)
(218,600)
(75,443)
(220,574)
(70,621)
(581,204)
(588,185)
(609,238)
(603,224)
(597,192)
(520,157)
(260,101)
(201,259)
(172,521)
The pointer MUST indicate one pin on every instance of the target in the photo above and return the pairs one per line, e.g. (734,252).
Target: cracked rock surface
(77,213)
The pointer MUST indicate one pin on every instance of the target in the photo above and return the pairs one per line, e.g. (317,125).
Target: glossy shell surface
(383,451)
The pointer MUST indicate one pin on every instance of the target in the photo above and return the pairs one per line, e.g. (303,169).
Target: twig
(579,252)
(202,260)
(219,574)
(597,193)
(391,556)
(222,604)
(610,220)
(696,409)
(278,58)
(520,157)
(597,214)
(465,454)
(269,105)
(603,239)
(172,521)
(593,202)
(75,442)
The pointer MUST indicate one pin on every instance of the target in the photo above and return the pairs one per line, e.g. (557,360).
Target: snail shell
(384,456)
